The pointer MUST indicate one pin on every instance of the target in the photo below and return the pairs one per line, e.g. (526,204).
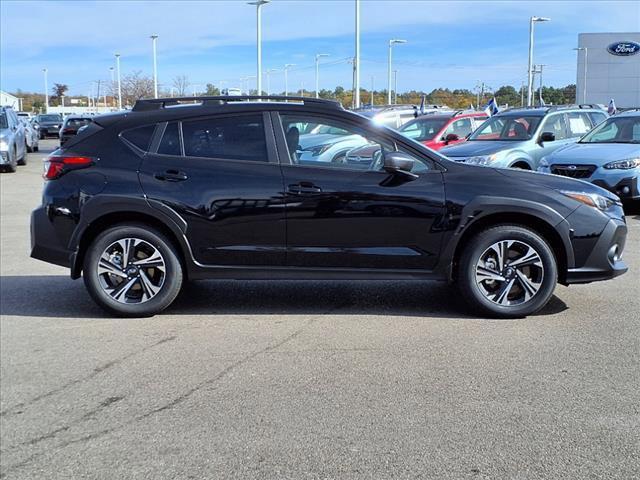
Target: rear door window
(239,137)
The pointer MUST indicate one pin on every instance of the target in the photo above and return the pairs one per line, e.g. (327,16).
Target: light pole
(259,4)
(113,84)
(395,87)
(584,79)
(119,83)
(392,42)
(269,72)
(286,78)
(540,92)
(532,20)
(154,39)
(318,55)
(46,91)
(357,58)
(372,79)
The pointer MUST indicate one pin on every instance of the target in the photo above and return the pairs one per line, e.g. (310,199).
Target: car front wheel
(507,271)
(132,271)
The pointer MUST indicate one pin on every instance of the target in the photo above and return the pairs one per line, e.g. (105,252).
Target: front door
(222,176)
(342,215)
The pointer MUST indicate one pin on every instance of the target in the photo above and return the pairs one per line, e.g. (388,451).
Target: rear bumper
(604,261)
(44,245)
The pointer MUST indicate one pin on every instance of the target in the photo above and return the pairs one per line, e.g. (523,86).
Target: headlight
(591,199)
(482,159)
(318,149)
(4,146)
(623,164)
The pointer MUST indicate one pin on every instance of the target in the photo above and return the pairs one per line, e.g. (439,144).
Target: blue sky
(450,44)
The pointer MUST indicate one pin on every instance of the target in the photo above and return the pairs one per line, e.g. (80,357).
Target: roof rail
(160,103)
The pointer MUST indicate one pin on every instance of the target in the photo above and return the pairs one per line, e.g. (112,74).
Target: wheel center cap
(509,272)
(131,271)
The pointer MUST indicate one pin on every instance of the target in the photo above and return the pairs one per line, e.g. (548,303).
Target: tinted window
(78,122)
(235,138)
(423,129)
(170,144)
(4,123)
(461,128)
(140,137)
(49,118)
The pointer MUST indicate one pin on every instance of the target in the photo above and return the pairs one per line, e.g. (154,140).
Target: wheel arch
(144,214)
(551,226)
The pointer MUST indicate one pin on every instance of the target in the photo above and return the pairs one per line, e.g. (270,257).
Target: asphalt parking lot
(305,380)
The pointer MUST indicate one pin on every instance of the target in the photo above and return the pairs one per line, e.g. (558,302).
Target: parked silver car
(13,147)
(519,138)
(608,156)
(31,134)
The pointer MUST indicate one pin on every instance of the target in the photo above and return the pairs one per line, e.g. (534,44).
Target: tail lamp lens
(56,166)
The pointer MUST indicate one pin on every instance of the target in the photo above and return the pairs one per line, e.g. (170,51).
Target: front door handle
(170,176)
(304,187)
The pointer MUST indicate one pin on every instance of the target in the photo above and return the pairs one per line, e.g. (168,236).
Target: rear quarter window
(140,137)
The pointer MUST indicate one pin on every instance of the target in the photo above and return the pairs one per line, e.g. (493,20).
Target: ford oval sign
(624,49)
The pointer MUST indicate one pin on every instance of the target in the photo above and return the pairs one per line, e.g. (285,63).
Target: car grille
(573,171)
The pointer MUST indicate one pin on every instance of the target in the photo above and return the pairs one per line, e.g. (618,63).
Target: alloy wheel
(509,272)
(131,270)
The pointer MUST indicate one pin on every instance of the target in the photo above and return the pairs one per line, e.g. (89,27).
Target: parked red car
(439,130)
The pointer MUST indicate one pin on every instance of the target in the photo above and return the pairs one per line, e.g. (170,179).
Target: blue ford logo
(624,49)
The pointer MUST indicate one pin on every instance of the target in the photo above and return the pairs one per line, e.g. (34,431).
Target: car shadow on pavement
(58,296)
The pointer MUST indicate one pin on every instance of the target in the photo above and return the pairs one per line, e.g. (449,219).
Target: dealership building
(612,69)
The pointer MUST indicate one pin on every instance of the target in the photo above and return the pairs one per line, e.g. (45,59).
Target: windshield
(514,127)
(49,118)
(615,130)
(3,121)
(423,129)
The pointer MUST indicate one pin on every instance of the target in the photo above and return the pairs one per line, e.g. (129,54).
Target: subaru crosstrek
(519,138)
(140,201)
(608,156)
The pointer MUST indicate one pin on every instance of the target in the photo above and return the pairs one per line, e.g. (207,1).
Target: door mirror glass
(547,137)
(451,137)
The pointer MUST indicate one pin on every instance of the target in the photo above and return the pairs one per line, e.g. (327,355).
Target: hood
(471,148)
(593,153)
(311,139)
(555,182)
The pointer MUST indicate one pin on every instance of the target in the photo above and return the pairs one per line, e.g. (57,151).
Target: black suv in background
(50,124)
(139,201)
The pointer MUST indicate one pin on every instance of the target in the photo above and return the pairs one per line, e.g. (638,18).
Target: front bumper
(44,240)
(624,183)
(604,262)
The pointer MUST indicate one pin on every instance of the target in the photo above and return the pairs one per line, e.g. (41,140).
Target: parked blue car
(520,137)
(608,156)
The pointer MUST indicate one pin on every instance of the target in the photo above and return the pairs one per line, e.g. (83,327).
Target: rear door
(221,174)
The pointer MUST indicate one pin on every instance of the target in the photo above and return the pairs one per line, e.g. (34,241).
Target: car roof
(542,111)
(634,112)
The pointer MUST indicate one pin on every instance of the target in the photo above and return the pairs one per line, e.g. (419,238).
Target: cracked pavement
(310,380)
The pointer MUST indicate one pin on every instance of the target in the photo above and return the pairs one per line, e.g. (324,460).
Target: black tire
(169,289)
(36,148)
(28,148)
(23,160)
(478,292)
(12,166)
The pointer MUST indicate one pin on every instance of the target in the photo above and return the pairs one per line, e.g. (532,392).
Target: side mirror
(547,137)
(398,162)
(452,137)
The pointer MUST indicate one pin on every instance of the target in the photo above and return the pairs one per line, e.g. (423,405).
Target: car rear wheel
(507,271)
(132,271)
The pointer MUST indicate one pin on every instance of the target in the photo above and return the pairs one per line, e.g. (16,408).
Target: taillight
(57,165)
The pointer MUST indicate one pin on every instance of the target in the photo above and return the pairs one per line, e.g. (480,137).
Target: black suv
(238,188)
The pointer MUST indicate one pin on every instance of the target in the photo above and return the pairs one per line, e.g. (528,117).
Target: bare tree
(136,86)
(181,83)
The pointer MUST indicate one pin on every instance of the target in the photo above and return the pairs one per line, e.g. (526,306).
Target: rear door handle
(304,187)
(170,176)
